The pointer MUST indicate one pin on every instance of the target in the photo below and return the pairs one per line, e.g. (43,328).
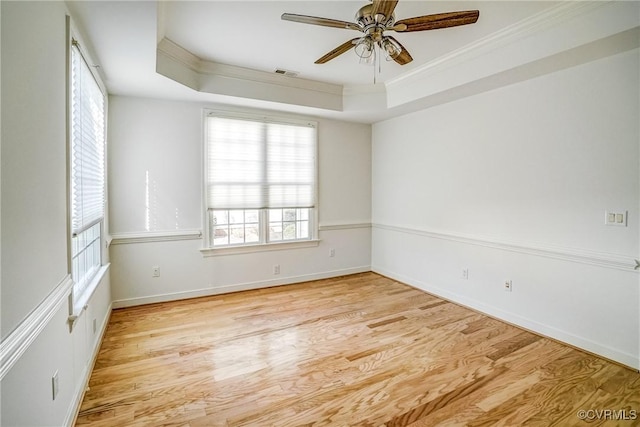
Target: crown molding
(543,20)
(513,52)
(178,53)
(557,32)
(231,71)
(365,97)
(194,63)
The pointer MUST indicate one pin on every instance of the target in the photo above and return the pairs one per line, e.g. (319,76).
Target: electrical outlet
(616,218)
(95,326)
(276,269)
(465,273)
(55,385)
(155,271)
(508,286)
(332,252)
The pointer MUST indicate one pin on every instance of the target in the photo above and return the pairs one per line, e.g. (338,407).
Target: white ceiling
(124,36)
(252,35)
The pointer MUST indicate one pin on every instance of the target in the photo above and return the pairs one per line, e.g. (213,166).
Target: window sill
(82,303)
(264,247)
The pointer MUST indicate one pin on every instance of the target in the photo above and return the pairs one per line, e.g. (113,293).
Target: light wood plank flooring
(359,350)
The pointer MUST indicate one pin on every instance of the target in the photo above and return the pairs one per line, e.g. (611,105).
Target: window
(260,180)
(87,173)
(288,224)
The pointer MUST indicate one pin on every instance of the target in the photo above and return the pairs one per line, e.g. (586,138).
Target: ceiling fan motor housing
(373,26)
(367,21)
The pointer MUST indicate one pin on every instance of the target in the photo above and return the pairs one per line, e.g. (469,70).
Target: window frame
(78,302)
(263,244)
(264,222)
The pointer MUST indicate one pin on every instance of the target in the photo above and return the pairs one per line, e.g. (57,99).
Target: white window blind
(258,165)
(87,151)
(87,177)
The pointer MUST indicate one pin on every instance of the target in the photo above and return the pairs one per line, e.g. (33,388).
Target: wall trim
(78,307)
(547,18)
(224,289)
(83,384)
(343,226)
(259,247)
(583,256)
(155,236)
(209,68)
(19,340)
(175,235)
(545,330)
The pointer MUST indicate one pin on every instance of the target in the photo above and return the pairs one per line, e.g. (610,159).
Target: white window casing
(87,180)
(259,164)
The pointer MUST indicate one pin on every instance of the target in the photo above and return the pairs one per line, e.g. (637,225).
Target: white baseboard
(512,318)
(130,302)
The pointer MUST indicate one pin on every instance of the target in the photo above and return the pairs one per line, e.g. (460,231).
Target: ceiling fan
(376,18)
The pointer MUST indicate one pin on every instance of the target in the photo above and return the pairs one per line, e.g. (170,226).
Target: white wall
(155,149)
(34,155)
(513,184)
(35,280)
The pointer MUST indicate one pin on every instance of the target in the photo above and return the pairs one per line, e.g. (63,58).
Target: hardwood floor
(359,350)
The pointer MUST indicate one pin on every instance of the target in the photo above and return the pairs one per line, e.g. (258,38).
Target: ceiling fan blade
(403,57)
(437,21)
(383,7)
(325,22)
(337,51)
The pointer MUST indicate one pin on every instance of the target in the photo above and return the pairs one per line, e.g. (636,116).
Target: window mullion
(265,166)
(264,225)
(271,173)
(264,212)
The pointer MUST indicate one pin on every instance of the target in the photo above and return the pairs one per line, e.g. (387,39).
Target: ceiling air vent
(288,73)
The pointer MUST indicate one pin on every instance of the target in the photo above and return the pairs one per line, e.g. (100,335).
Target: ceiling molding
(555,31)
(365,97)
(231,71)
(180,54)
(548,18)
(177,63)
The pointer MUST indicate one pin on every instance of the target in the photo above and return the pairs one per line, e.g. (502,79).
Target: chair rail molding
(343,226)
(583,256)
(19,340)
(154,236)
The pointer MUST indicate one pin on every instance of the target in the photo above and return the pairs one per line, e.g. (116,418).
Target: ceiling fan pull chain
(376,63)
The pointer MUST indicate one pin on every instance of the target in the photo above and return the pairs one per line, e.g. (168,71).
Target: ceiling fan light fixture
(391,49)
(369,60)
(365,48)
